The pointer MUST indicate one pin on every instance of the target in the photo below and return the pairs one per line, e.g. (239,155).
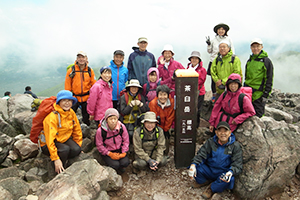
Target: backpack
(37,122)
(153,139)
(149,90)
(35,104)
(246,91)
(220,59)
(72,74)
(104,134)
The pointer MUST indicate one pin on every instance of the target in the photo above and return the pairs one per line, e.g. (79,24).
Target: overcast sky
(44,30)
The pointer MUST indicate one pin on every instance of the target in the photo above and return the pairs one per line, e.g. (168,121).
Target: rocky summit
(271,156)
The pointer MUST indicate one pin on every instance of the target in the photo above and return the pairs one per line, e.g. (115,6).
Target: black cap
(224,125)
(119,52)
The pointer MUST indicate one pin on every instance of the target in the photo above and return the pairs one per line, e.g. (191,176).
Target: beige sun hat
(149,117)
(195,54)
(82,53)
(134,82)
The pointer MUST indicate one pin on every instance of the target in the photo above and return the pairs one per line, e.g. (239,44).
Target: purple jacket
(112,143)
(100,99)
(230,105)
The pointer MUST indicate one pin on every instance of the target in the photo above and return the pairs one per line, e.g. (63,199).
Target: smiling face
(112,122)
(133,89)
(142,45)
(65,104)
(256,48)
(118,60)
(223,135)
(81,60)
(106,75)
(153,77)
(162,97)
(168,55)
(233,87)
(149,125)
(194,61)
(221,31)
(223,49)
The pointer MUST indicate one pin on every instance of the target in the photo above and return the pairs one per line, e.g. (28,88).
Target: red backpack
(37,122)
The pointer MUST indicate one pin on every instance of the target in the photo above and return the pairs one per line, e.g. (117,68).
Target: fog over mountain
(39,38)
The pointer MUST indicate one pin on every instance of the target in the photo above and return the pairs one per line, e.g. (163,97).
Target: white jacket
(213,48)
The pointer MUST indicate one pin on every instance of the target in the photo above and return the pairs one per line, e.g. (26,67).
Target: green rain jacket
(259,75)
(222,67)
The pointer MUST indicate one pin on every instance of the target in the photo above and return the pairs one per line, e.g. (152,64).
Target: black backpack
(72,74)
(104,134)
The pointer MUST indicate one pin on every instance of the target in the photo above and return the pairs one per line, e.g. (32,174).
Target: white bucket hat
(149,117)
(168,47)
(134,82)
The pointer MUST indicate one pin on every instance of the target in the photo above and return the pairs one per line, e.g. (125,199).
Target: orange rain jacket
(81,83)
(167,115)
(70,126)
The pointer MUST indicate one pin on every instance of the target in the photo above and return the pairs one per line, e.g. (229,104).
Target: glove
(192,171)
(132,103)
(208,40)
(174,74)
(229,173)
(137,102)
(141,104)
(264,100)
(122,155)
(152,163)
(114,156)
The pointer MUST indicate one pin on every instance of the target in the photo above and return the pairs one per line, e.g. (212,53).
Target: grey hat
(134,82)
(149,117)
(225,26)
(223,125)
(195,54)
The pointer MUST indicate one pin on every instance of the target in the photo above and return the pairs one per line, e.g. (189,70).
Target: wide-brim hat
(65,94)
(168,47)
(149,117)
(134,83)
(225,26)
(195,54)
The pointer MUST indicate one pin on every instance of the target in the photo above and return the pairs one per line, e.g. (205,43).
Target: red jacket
(202,77)
(167,115)
(230,105)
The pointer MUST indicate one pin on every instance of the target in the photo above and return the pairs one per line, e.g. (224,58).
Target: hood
(112,64)
(231,139)
(234,78)
(151,69)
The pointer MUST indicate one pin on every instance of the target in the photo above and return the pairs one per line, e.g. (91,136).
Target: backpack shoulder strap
(140,96)
(232,58)
(241,102)
(104,134)
(147,88)
(126,97)
(224,94)
(89,71)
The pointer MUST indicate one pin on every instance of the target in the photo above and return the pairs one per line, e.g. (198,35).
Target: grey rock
(13,155)
(11,172)
(34,185)
(6,143)
(25,148)
(4,194)
(278,115)
(271,153)
(7,128)
(85,131)
(38,174)
(23,121)
(87,145)
(115,180)
(161,197)
(7,162)
(82,180)
(103,196)
(15,186)
(19,103)
(140,196)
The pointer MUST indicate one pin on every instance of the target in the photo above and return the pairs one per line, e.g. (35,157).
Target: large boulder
(271,153)
(15,186)
(82,180)
(3,108)
(7,128)
(23,121)
(19,103)
(278,114)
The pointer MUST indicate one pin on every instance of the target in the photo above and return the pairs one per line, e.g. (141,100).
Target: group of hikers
(141,114)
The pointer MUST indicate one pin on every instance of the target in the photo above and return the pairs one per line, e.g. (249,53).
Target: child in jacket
(100,96)
(112,141)
(61,137)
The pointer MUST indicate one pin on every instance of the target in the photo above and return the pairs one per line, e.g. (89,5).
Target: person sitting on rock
(227,108)
(61,138)
(112,141)
(28,91)
(149,144)
(217,162)
(7,95)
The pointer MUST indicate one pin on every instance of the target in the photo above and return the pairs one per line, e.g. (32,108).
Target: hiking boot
(207,193)
(197,185)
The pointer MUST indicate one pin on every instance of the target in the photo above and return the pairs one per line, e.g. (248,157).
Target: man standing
(259,76)
(119,76)
(140,61)
(79,80)
(223,65)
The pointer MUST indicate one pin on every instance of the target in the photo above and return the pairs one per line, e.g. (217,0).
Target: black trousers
(65,151)
(259,107)
(85,115)
(116,164)
(200,103)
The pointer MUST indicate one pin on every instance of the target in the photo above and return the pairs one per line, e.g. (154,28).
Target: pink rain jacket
(202,77)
